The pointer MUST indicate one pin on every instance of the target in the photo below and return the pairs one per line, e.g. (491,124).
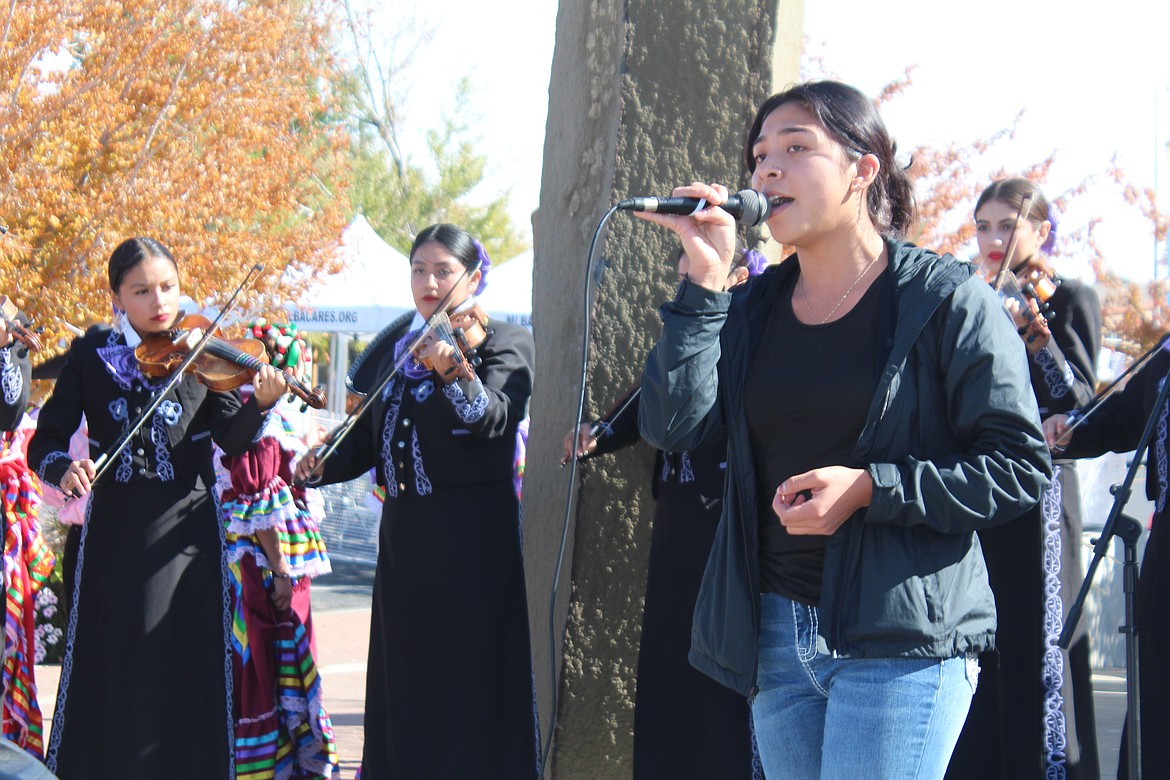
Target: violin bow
(1078,416)
(338,434)
(1005,265)
(102,464)
(609,418)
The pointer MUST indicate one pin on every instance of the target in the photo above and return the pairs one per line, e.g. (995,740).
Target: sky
(1092,81)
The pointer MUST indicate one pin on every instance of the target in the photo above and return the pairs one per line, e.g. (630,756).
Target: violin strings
(442,329)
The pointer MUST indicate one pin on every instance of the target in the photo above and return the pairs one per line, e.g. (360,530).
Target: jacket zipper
(836,641)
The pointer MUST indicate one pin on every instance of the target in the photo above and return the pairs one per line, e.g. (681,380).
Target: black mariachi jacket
(15,380)
(436,431)
(704,466)
(96,379)
(952,443)
(1117,425)
(1064,373)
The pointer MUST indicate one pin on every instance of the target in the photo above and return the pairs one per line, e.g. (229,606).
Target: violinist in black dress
(449,686)
(685,723)
(146,681)
(1032,715)
(1116,425)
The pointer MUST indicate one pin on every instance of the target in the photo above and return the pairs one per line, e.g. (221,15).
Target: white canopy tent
(373,290)
(508,295)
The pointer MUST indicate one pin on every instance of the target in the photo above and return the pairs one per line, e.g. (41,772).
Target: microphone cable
(592,281)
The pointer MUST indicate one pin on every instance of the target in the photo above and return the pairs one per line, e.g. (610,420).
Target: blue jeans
(817,716)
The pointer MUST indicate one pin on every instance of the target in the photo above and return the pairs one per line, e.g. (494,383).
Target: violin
(1038,282)
(464,328)
(8,315)
(225,364)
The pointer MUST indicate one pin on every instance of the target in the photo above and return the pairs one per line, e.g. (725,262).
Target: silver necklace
(856,281)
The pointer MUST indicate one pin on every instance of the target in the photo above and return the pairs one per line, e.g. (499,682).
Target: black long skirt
(146,679)
(686,725)
(1004,735)
(449,686)
(1153,617)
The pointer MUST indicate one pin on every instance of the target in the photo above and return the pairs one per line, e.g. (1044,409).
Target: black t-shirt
(807,393)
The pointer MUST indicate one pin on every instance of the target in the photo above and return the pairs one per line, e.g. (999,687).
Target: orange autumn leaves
(208,124)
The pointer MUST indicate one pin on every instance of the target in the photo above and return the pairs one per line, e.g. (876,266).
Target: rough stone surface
(644,96)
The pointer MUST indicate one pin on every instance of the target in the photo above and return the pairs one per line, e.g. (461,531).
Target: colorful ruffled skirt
(27,564)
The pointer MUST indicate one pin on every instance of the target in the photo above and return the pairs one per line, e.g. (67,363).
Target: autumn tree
(209,124)
(400,193)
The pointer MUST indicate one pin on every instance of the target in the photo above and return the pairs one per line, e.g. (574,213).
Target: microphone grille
(755,208)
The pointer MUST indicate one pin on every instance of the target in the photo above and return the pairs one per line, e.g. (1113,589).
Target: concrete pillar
(644,95)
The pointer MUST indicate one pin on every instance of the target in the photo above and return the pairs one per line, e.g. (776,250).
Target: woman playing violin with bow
(1117,425)
(150,584)
(1034,709)
(449,679)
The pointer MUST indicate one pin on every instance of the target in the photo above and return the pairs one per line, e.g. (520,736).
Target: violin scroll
(314,397)
(8,315)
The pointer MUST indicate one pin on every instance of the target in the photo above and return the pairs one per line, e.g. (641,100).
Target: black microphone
(749,207)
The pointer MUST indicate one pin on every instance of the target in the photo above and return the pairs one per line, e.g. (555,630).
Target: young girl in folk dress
(146,681)
(449,687)
(274,549)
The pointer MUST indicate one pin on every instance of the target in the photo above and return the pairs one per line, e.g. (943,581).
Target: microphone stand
(1129,530)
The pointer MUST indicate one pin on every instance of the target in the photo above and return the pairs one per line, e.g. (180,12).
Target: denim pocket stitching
(806,647)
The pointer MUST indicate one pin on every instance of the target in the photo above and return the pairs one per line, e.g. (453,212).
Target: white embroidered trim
(118,411)
(168,414)
(1055,734)
(226,589)
(686,472)
(49,460)
(423,391)
(467,411)
(1059,380)
(388,440)
(422,483)
(1160,453)
(67,659)
(10,377)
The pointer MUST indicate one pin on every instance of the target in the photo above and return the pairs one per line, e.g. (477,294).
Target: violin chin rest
(191,337)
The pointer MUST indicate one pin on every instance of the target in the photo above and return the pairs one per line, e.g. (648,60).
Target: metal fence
(350,527)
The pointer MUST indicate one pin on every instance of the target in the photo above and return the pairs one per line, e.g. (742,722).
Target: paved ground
(341,615)
(341,620)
